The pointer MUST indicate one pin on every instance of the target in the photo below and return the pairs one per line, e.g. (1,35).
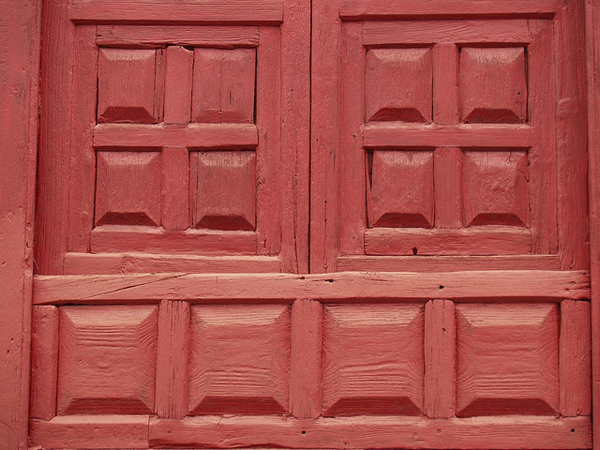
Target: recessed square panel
(373,360)
(224,190)
(496,187)
(507,359)
(399,84)
(240,359)
(128,188)
(126,85)
(493,85)
(224,85)
(107,359)
(400,191)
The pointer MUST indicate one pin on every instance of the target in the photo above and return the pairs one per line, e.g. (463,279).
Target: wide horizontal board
(446,31)
(177,11)
(398,9)
(160,35)
(115,432)
(446,263)
(488,240)
(338,287)
(124,238)
(194,136)
(432,136)
(119,263)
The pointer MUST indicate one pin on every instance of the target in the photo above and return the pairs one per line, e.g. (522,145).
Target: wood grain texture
(306,364)
(124,238)
(445,32)
(446,263)
(405,9)
(122,263)
(440,359)
(445,83)
(504,433)
(428,136)
(592,19)
(365,370)
(575,358)
(159,35)
(341,287)
(107,360)
(91,432)
(19,96)
(194,137)
(487,240)
(172,360)
(44,362)
(507,359)
(178,84)
(448,176)
(174,11)
(175,186)
(240,359)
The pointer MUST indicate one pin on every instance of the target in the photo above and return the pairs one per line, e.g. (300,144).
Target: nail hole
(572,430)
(441,287)
(303,432)
(415,250)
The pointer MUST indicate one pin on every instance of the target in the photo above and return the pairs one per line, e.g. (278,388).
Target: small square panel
(507,359)
(373,360)
(224,190)
(223,86)
(240,359)
(126,85)
(400,193)
(496,187)
(128,188)
(399,84)
(107,359)
(493,85)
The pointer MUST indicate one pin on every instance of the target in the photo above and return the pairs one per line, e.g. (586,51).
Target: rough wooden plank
(445,83)
(445,31)
(175,188)
(124,238)
(19,95)
(446,263)
(448,176)
(178,84)
(172,360)
(44,362)
(122,263)
(194,137)
(404,9)
(305,366)
(427,136)
(440,359)
(346,287)
(134,36)
(592,21)
(575,359)
(174,11)
(488,240)
(90,432)
(502,433)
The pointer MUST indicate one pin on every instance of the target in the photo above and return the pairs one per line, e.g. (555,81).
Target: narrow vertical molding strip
(445,84)
(44,362)
(575,358)
(172,361)
(175,188)
(305,372)
(447,167)
(178,84)
(440,359)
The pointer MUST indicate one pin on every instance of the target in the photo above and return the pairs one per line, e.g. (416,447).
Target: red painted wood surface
(436,296)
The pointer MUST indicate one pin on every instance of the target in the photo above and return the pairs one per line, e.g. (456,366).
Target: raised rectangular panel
(399,84)
(126,85)
(128,188)
(507,359)
(496,187)
(223,85)
(493,85)
(107,359)
(224,190)
(400,191)
(373,360)
(240,359)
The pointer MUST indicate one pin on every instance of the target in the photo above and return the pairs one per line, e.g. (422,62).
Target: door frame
(19,90)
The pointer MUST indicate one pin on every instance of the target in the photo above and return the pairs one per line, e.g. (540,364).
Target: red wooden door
(442,298)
